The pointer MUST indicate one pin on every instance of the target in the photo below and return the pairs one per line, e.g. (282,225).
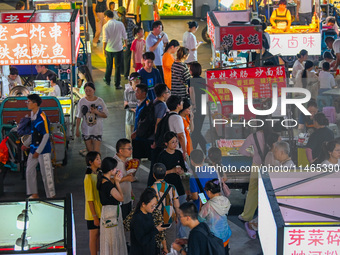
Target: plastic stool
(330,113)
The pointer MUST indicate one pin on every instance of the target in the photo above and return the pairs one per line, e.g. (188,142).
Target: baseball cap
(134,75)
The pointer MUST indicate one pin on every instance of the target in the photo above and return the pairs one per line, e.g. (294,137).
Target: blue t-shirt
(151,40)
(204,177)
(150,79)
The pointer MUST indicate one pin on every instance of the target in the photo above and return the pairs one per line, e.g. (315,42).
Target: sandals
(251,233)
(83,152)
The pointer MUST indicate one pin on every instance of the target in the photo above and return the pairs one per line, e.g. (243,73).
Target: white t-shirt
(296,67)
(336,46)
(176,125)
(190,42)
(327,80)
(305,6)
(91,124)
(56,92)
(125,186)
(113,34)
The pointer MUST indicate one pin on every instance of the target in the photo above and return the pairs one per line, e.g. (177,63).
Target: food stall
(227,35)
(231,112)
(38,227)
(299,212)
(50,38)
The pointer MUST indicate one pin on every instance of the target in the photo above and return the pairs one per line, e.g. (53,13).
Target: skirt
(112,240)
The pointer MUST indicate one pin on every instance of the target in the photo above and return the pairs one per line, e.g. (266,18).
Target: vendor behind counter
(281,17)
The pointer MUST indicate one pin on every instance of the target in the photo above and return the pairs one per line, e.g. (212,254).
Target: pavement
(69,179)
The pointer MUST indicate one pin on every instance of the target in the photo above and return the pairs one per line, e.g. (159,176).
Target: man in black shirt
(43,72)
(197,242)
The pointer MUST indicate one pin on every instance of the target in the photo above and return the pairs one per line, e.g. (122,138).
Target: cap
(134,75)
(121,10)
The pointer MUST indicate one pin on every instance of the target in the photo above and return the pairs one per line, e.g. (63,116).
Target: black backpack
(64,87)
(147,120)
(215,244)
(162,128)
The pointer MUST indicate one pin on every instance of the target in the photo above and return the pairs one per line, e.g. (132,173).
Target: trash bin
(204,10)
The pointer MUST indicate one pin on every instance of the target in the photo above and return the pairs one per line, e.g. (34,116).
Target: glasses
(28,101)
(130,148)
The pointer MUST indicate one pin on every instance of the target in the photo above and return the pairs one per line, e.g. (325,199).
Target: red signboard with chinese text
(35,43)
(312,240)
(260,79)
(211,29)
(15,17)
(241,37)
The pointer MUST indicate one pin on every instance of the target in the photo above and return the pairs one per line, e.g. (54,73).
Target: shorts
(90,225)
(92,137)
(147,25)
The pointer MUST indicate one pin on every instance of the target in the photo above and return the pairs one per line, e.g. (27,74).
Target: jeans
(305,18)
(109,65)
(127,61)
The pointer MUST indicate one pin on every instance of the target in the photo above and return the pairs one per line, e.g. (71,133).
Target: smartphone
(126,106)
(166,225)
(203,198)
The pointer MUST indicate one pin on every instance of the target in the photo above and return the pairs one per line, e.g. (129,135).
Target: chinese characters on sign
(35,43)
(291,44)
(15,17)
(261,79)
(312,241)
(211,30)
(241,38)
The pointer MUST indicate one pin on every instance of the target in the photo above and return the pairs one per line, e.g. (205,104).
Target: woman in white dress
(299,64)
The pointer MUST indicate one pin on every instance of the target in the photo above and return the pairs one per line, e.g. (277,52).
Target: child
(130,103)
(326,79)
(137,47)
(93,206)
(112,6)
(150,76)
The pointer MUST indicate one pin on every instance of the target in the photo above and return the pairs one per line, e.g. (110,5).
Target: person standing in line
(190,42)
(99,9)
(92,110)
(146,9)
(197,86)
(154,43)
(129,27)
(137,47)
(112,238)
(40,150)
(180,74)
(113,34)
(299,64)
(93,207)
(168,59)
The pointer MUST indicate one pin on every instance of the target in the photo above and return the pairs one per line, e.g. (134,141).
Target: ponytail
(302,53)
(108,164)
(308,65)
(99,179)
(174,43)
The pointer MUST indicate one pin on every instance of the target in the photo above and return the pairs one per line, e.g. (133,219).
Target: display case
(38,227)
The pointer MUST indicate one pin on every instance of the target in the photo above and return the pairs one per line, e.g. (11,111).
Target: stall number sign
(312,241)
(260,79)
(291,44)
(35,43)
(241,38)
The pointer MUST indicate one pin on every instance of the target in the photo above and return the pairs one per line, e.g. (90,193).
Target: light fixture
(21,220)
(18,244)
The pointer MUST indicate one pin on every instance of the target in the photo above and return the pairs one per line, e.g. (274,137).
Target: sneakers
(107,83)
(119,87)
(240,217)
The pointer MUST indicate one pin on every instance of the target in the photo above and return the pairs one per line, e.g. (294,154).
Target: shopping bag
(4,156)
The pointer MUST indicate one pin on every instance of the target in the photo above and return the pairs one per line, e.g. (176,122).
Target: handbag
(112,221)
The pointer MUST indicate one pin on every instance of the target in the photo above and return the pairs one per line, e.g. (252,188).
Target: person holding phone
(190,42)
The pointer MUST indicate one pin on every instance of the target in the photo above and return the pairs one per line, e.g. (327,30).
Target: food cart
(38,227)
(49,38)
(299,212)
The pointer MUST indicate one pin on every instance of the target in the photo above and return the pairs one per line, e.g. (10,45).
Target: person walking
(92,110)
(99,8)
(146,9)
(40,150)
(190,42)
(304,11)
(180,74)
(137,47)
(113,34)
(129,27)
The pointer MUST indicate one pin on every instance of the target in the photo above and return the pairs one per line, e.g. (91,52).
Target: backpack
(147,120)
(64,87)
(162,128)
(215,244)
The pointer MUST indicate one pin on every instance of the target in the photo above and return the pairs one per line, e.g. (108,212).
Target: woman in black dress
(143,229)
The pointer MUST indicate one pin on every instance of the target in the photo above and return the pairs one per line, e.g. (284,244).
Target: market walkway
(70,178)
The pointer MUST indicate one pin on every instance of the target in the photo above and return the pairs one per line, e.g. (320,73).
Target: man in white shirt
(176,125)
(304,11)
(113,35)
(336,49)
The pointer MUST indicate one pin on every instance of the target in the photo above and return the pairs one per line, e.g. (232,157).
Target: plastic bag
(4,156)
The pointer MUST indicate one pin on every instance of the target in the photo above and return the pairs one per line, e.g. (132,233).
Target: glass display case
(37,227)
